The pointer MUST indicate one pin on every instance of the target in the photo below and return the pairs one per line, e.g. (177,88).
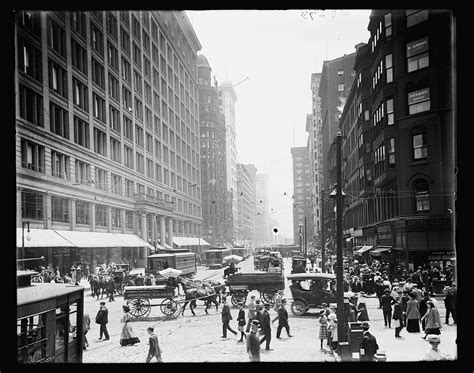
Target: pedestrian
(433,320)
(413,315)
(259,312)
(450,305)
(86,326)
(397,316)
(418,293)
(111,288)
(266,327)
(154,351)
(241,322)
(361,309)
(423,307)
(434,353)
(102,318)
(128,336)
(368,345)
(323,327)
(226,317)
(252,312)
(387,301)
(282,318)
(404,300)
(332,326)
(253,343)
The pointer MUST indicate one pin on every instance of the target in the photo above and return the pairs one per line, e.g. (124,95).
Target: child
(241,322)
(323,327)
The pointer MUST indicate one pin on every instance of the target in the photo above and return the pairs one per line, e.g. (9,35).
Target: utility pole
(323,239)
(339,275)
(305,239)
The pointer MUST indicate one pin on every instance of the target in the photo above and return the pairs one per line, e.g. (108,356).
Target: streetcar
(184,261)
(240,251)
(214,257)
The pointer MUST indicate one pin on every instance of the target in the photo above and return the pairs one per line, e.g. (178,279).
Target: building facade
(227,100)
(263,228)
(302,208)
(107,124)
(246,206)
(213,157)
(400,125)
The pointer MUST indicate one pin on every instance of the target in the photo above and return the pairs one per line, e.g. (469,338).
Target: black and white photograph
(236,186)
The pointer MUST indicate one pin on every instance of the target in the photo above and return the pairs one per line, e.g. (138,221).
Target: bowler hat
(255,322)
(102,303)
(365,325)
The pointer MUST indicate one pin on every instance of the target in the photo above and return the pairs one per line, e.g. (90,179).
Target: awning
(363,249)
(42,238)
(131,240)
(349,239)
(378,251)
(190,241)
(228,245)
(101,239)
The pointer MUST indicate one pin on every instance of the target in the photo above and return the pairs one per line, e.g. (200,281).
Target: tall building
(107,133)
(335,82)
(227,100)
(213,157)
(263,228)
(399,140)
(316,157)
(246,206)
(301,194)
(311,197)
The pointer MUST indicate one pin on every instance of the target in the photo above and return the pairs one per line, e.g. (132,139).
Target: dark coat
(282,316)
(449,300)
(226,315)
(387,301)
(266,325)
(369,345)
(241,317)
(154,346)
(102,316)
(422,306)
(397,311)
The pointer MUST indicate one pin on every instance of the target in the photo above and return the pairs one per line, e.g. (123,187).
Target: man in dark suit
(102,318)
(266,328)
(423,307)
(154,351)
(368,344)
(282,320)
(226,317)
(386,302)
(450,304)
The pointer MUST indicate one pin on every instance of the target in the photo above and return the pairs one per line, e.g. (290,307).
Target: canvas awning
(190,241)
(92,239)
(131,240)
(228,245)
(41,238)
(379,250)
(363,249)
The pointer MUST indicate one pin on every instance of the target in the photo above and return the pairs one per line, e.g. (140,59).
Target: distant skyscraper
(263,230)
(246,207)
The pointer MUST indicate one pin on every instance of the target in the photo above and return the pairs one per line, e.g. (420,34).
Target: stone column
(141,262)
(162,230)
(92,213)
(72,203)
(153,228)
(170,231)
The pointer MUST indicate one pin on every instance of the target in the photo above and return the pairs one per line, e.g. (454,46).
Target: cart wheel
(298,308)
(237,297)
(170,307)
(268,295)
(139,307)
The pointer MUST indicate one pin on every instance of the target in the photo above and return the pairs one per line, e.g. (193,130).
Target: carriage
(120,275)
(139,300)
(266,283)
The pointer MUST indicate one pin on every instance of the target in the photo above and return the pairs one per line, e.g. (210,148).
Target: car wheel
(298,308)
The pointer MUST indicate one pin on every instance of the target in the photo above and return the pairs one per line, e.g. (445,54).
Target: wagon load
(267,283)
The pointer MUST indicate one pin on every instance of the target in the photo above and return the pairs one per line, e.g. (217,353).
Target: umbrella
(170,272)
(233,258)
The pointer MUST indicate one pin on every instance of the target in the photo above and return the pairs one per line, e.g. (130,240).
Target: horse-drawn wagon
(138,299)
(267,283)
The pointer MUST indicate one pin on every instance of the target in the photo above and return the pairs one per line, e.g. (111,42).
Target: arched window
(422,195)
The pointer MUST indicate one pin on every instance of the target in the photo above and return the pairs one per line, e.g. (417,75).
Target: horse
(205,292)
(229,271)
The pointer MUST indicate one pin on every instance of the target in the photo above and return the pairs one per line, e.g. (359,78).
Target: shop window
(422,196)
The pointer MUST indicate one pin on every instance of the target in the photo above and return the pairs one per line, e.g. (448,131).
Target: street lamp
(28,237)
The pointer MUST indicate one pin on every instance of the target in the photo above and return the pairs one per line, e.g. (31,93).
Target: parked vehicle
(214,257)
(298,264)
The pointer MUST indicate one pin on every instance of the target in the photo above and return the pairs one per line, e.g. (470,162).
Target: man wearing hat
(282,319)
(387,302)
(450,305)
(102,318)
(368,344)
(226,317)
(241,321)
(253,344)
(434,353)
(154,351)
(266,327)
(252,312)
(397,316)
(418,293)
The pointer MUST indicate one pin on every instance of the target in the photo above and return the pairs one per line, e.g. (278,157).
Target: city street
(198,338)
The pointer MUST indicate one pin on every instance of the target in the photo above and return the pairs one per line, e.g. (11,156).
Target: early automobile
(310,290)
(298,264)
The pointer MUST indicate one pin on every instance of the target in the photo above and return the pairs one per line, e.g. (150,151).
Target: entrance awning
(363,249)
(42,238)
(190,241)
(378,251)
(92,239)
(131,240)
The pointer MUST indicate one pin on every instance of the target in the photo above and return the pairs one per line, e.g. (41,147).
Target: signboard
(417,47)
(419,96)
(427,222)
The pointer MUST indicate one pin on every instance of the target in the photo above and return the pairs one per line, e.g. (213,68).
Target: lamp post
(339,275)
(323,239)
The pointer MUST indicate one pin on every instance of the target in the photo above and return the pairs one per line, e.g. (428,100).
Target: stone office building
(107,134)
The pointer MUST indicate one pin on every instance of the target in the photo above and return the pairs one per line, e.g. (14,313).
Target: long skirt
(128,337)
(413,325)
(323,331)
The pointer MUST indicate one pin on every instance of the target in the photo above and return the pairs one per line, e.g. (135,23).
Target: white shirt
(433,355)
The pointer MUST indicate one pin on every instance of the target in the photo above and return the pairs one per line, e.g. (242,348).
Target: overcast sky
(278,51)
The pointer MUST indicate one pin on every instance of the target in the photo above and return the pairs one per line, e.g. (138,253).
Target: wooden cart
(266,283)
(139,300)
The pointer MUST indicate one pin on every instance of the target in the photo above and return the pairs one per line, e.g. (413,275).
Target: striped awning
(363,249)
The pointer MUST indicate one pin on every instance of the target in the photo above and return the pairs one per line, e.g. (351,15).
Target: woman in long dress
(413,314)
(433,321)
(127,337)
(323,327)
